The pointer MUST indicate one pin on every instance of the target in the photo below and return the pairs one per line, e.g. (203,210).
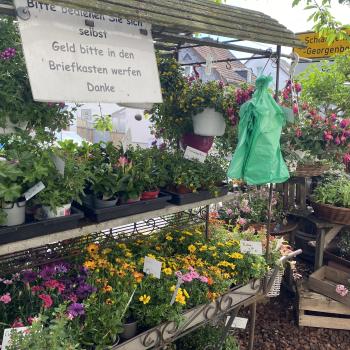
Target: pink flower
(46,299)
(305,106)
(246,209)
(230,111)
(122,161)
(346,158)
(6,298)
(342,290)
(7,282)
(297,87)
(17,323)
(229,211)
(52,284)
(37,289)
(334,117)
(344,123)
(32,320)
(241,221)
(298,132)
(203,279)
(337,140)
(327,136)
(295,108)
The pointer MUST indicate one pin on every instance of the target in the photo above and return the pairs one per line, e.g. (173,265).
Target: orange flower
(138,276)
(93,248)
(109,301)
(90,265)
(107,289)
(210,281)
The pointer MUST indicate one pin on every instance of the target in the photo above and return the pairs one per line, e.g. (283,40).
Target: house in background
(130,126)
(257,67)
(234,72)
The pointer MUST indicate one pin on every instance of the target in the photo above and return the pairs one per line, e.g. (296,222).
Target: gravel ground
(276,327)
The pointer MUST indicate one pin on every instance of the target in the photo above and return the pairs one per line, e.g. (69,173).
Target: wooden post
(320,241)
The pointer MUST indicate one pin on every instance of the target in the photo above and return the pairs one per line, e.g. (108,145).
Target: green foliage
(344,244)
(16,101)
(324,86)
(103,123)
(324,22)
(334,192)
(47,334)
(11,179)
(206,337)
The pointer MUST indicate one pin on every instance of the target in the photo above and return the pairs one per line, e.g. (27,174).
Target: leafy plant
(334,192)
(344,244)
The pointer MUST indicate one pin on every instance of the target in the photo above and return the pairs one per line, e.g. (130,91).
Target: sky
(294,19)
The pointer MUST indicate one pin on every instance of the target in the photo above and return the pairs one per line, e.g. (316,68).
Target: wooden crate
(325,281)
(316,310)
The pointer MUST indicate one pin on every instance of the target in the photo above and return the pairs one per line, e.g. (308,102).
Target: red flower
(17,323)
(46,299)
(298,133)
(295,108)
(55,284)
(37,289)
(346,158)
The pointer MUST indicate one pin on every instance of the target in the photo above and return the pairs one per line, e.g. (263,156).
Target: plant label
(195,154)
(152,267)
(178,285)
(238,322)
(7,336)
(33,191)
(59,164)
(251,247)
(279,243)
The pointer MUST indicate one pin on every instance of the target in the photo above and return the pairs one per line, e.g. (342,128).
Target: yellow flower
(121,245)
(220,244)
(102,262)
(158,248)
(109,301)
(185,293)
(138,276)
(93,248)
(203,248)
(168,271)
(107,289)
(145,299)
(172,288)
(169,238)
(180,298)
(151,256)
(188,233)
(212,248)
(191,248)
(182,238)
(106,251)
(236,256)
(90,265)
(128,255)
(214,254)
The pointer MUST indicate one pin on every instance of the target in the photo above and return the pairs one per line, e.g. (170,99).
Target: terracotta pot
(149,195)
(183,189)
(202,143)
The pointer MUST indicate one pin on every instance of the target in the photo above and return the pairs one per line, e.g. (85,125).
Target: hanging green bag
(258,159)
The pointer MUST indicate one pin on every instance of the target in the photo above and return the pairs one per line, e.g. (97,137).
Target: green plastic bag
(258,159)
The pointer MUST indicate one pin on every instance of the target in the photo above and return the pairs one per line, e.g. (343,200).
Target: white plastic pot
(209,123)
(60,211)
(15,213)
(11,127)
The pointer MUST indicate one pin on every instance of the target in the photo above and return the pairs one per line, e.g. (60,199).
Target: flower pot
(10,127)
(87,200)
(64,210)
(183,189)
(149,195)
(133,200)
(15,212)
(335,215)
(202,143)
(209,123)
(102,203)
(129,330)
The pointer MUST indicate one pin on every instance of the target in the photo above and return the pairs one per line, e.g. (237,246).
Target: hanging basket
(335,215)
(276,286)
(310,170)
(203,143)
(209,123)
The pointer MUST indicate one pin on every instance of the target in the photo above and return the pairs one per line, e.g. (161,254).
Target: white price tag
(152,267)
(33,191)
(7,336)
(251,247)
(238,322)
(192,153)
(60,164)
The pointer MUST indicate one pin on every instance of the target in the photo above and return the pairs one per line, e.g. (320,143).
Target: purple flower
(47,272)
(84,290)
(8,53)
(76,309)
(29,276)
(62,268)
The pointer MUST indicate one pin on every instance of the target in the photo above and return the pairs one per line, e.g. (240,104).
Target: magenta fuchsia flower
(337,140)
(342,138)
(344,123)
(17,323)
(305,106)
(342,290)
(6,298)
(295,108)
(229,211)
(297,87)
(334,117)
(230,111)
(221,84)
(298,133)
(346,158)
(241,221)
(327,136)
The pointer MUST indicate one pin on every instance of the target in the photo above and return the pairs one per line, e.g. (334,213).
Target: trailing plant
(344,244)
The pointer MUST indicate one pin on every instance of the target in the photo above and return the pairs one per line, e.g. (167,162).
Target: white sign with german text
(79,56)
(251,247)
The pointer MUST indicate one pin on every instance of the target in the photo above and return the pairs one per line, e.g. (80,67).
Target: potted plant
(18,110)
(205,102)
(11,194)
(331,200)
(65,182)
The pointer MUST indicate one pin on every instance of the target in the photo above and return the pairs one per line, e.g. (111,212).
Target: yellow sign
(317,47)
